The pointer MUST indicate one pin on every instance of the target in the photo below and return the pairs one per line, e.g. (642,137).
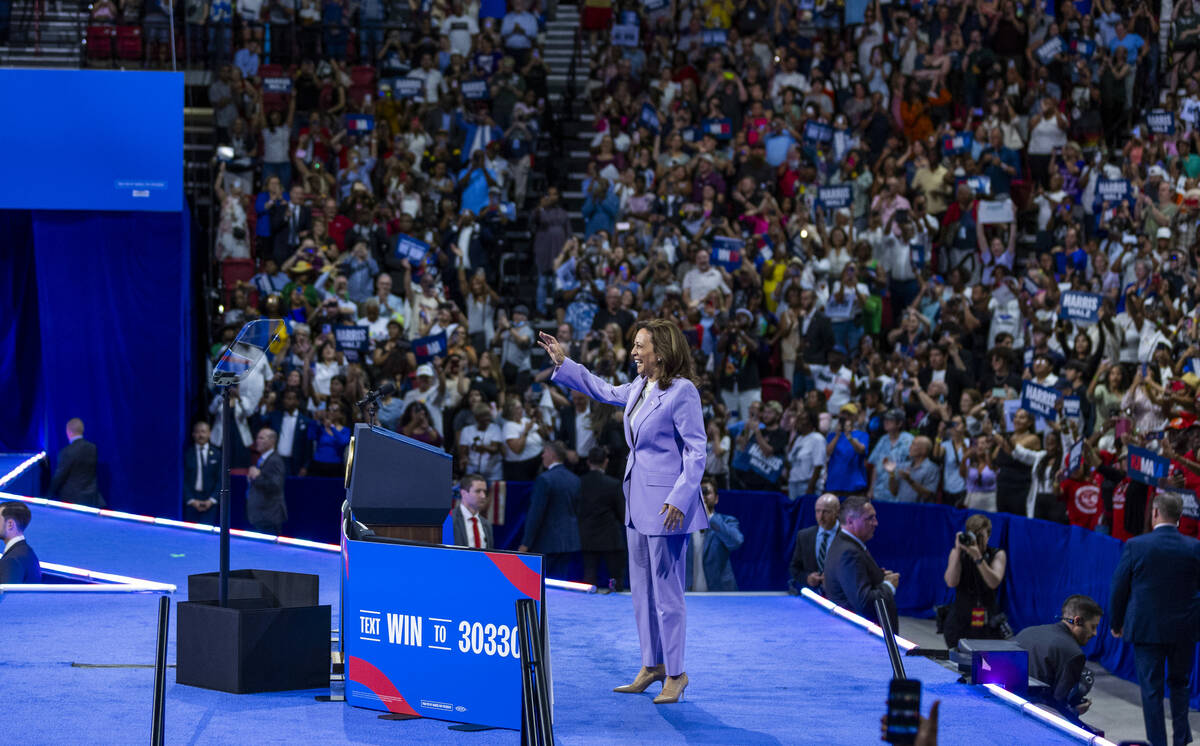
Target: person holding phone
(665,432)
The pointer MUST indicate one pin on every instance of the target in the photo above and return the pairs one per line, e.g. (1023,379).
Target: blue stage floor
(764,669)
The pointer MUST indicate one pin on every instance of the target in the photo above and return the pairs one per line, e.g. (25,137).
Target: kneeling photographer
(975,570)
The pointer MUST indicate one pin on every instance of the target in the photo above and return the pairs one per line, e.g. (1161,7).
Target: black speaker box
(271,637)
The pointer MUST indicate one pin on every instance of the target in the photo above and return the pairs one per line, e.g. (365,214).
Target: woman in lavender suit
(665,431)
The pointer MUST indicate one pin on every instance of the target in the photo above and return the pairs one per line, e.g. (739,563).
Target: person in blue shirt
(1135,49)
(891,450)
(331,435)
(1000,164)
(846,450)
(600,209)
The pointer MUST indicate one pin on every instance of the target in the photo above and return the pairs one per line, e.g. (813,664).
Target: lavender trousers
(657,566)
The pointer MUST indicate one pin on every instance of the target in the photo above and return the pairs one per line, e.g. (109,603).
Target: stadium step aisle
(51,38)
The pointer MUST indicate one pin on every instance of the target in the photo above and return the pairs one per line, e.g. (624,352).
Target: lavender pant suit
(666,462)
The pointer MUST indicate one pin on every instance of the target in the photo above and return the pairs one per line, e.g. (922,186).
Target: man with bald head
(612,313)
(917,481)
(75,475)
(812,546)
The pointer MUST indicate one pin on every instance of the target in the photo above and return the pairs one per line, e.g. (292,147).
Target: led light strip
(1019,702)
(107,577)
(567,585)
(146,587)
(1046,716)
(21,468)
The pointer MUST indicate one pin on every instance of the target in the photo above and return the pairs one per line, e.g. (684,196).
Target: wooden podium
(398,487)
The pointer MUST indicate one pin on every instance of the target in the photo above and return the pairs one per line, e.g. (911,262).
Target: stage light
(1046,716)
(21,467)
(567,585)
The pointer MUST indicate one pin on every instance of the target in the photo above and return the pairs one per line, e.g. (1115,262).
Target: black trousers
(555,565)
(522,471)
(614,562)
(1150,660)
(1048,507)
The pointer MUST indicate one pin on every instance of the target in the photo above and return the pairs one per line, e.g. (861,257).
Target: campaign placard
(1113,190)
(413,249)
(1080,307)
(1051,49)
(957,144)
(352,341)
(727,252)
(277,84)
(993,212)
(720,128)
(625,35)
(408,87)
(754,460)
(475,90)
(649,117)
(1161,121)
(981,185)
(835,196)
(359,123)
(1039,401)
(817,133)
(416,644)
(1146,466)
(427,348)
(714,37)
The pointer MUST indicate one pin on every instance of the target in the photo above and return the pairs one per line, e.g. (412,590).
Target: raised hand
(552,347)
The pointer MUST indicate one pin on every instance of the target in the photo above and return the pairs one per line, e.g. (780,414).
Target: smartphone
(1122,427)
(623,226)
(903,711)
(224,153)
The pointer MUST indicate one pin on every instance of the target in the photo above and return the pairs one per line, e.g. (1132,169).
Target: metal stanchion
(158,726)
(536,728)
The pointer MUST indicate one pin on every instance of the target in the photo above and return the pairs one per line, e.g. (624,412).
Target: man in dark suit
(710,548)
(266,508)
(575,431)
(816,331)
(941,369)
(1056,654)
(601,521)
(291,222)
(75,478)
(1151,607)
(852,579)
(18,563)
(291,424)
(471,528)
(812,546)
(201,477)
(551,526)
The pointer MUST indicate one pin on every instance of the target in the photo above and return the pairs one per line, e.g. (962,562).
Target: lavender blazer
(666,447)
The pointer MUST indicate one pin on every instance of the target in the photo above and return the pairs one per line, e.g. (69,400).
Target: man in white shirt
(459,27)
(431,77)
(471,528)
(806,459)
(428,391)
(702,279)
(201,477)
(480,444)
(519,29)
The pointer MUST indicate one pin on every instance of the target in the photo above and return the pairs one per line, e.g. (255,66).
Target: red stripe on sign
(362,672)
(518,573)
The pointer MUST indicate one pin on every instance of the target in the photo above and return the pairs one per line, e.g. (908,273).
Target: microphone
(387,388)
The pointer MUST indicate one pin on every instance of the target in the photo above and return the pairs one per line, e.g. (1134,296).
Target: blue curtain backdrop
(100,328)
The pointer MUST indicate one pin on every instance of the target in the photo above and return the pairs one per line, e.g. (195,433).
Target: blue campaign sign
(475,90)
(981,185)
(754,460)
(277,84)
(653,5)
(1161,122)
(408,87)
(351,340)
(649,117)
(360,123)
(1051,49)
(1038,400)
(956,144)
(714,37)
(1084,47)
(1079,307)
(427,348)
(413,249)
(1073,408)
(722,129)
(625,35)
(1146,466)
(431,631)
(727,252)
(835,196)
(817,133)
(1113,190)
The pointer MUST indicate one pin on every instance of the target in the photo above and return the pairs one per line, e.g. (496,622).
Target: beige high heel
(645,678)
(672,690)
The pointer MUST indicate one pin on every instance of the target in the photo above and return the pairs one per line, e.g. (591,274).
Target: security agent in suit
(291,424)
(201,477)
(471,528)
(601,521)
(1152,607)
(551,526)
(812,545)
(265,505)
(291,222)
(75,478)
(852,579)
(1056,655)
(710,548)
(18,563)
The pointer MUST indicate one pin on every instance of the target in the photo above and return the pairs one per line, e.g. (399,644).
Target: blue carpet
(764,669)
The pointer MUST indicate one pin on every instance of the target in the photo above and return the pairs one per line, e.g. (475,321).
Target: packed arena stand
(927,252)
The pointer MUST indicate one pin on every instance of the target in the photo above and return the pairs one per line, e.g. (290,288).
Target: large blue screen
(92,140)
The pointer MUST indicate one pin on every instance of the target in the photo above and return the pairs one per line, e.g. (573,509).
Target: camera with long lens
(966,538)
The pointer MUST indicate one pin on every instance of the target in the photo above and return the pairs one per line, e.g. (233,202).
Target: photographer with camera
(974,570)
